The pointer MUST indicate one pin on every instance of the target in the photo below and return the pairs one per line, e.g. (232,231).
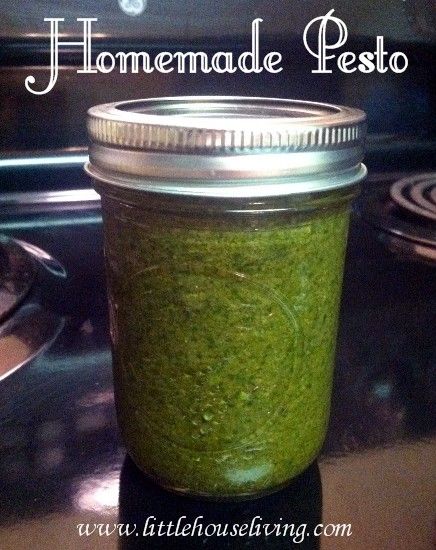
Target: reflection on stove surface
(25,331)
(27,334)
(299,503)
(17,273)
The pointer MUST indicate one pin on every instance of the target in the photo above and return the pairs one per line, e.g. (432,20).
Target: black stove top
(61,460)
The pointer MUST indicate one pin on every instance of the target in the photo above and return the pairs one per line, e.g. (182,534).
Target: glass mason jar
(225,227)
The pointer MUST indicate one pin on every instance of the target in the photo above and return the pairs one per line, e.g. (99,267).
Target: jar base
(197,495)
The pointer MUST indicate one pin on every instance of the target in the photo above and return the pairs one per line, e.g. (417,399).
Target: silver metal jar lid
(226,146)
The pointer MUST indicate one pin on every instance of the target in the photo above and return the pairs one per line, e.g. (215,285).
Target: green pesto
(223,341)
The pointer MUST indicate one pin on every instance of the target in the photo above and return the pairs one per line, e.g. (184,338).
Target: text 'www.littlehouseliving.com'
(183,527)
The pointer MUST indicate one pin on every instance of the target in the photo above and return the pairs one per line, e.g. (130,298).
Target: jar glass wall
(223,320)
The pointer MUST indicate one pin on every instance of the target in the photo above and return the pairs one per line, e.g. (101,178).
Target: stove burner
(17,273)
(405,212)
(416,194)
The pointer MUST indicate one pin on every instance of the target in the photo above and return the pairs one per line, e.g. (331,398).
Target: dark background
(399,106)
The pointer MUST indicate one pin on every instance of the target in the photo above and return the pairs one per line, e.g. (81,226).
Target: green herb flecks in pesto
(223,346)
